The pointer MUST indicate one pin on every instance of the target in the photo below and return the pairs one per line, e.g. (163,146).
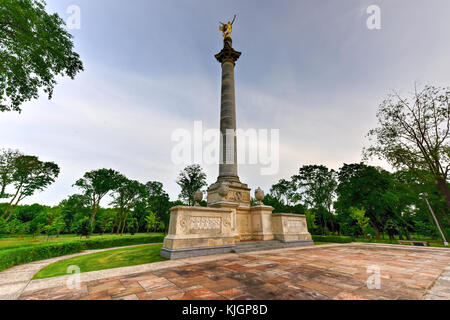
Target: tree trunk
(10,203)
(407,234)
(124,222)
(442,186)
(15,205)
(391,237)
(376,230)
(93,213)
(118,226)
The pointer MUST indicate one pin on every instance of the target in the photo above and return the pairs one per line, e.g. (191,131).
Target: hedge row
(337,239)
(13,257)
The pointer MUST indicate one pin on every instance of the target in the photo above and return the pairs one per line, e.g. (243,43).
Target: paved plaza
(320,272)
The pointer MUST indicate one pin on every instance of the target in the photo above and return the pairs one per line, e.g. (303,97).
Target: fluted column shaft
(228,166)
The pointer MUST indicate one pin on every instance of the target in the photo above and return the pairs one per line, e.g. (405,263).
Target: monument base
(238,193)
(200,231)
(195,252)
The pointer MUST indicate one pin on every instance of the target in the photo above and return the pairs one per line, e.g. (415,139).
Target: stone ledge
(288,214)
(298,243)
(195,251)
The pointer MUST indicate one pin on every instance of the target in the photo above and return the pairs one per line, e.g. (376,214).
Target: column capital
(228,53)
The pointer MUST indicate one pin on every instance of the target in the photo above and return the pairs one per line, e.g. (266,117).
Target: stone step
(267,245)
(258,246)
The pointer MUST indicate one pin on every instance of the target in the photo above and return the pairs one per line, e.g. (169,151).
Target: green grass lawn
(105,260)
(28,240)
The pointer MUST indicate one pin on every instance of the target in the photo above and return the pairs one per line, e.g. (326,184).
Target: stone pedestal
(196,231)
(238,193)
(290,227)
(261,217)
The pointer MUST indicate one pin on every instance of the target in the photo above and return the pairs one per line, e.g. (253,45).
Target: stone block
(290,227)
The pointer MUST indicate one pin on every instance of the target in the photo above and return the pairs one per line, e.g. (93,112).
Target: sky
(311,69)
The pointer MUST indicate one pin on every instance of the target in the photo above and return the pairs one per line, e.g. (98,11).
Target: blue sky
(309,68)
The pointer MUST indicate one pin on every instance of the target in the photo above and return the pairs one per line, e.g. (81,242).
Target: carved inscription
(205,223)
(295,225)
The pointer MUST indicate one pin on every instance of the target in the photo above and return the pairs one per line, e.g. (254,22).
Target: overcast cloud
(309,68)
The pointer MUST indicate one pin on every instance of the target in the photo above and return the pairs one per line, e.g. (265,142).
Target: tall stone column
(228,166)
(238,194)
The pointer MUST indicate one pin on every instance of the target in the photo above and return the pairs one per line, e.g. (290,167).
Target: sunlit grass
(114,258)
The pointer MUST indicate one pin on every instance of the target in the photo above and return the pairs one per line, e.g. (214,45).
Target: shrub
(337,239)
(12,257)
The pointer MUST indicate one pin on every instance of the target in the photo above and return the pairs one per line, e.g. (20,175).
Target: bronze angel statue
(226,28)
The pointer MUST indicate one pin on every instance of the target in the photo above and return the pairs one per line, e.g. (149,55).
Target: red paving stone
(338,273)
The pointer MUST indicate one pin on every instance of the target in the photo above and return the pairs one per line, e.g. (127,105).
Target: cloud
(310,69)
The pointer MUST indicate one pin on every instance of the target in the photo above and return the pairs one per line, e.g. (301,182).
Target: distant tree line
(135,206)
(360,201)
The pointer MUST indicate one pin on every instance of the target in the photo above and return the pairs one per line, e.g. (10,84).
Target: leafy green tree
(126,196)
(133,226)
(105,219)
(413,134)
(414,211)
(84,227)
(35,48)
(8,159)
(311,220)
(316,185)
(55,222)
(191,180)
(158,201)
(96,184)
(367,188)
(281,207)
(151,221)
(30,175)
(74,208)
(359,215)
(284,191)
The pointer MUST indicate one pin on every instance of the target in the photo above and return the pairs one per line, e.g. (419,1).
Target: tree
(359,215)
(133,226)
(316,187)
(191,180)
(55,222)
(151,221)
(158,201)
(284,191)
(96,184)
(83,227)
(126,195)
(34,49)
(74,208)
(30,175)
(8,158)
(368,188)
(414,134)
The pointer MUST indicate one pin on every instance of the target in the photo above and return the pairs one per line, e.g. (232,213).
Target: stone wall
(290,227)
